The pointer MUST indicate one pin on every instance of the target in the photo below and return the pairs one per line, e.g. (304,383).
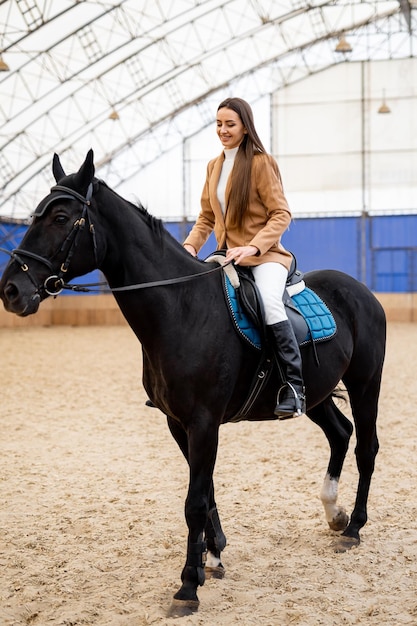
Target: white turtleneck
(229,158)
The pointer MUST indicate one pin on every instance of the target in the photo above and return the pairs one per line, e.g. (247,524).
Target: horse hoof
(182,608)
(340,521)
(214,572)
(343,544)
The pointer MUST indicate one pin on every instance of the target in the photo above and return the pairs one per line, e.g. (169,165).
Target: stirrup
(292,405)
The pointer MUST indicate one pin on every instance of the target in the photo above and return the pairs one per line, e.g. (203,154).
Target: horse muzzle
(18,301)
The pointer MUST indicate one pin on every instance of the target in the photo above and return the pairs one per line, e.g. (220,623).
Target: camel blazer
(267,218)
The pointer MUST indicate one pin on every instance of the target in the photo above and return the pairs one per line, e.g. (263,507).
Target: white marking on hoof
(328,496)
(212,561)
(213,567)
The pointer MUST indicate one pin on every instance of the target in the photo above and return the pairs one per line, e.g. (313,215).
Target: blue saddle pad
(320,321)
(243,324)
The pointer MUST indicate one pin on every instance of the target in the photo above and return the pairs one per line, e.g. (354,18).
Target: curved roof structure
(133,78)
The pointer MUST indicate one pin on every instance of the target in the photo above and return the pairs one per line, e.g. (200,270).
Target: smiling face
(230,128)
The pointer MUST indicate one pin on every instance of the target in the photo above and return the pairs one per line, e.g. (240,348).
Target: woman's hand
(238,254)
(190,249)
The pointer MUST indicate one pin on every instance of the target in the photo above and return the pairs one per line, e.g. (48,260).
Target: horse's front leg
(202,450)
(213,532)
(216,542)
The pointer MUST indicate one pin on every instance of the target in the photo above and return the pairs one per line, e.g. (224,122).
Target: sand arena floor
(92,494)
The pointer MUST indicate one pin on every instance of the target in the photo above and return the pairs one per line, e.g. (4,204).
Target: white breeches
(270,278)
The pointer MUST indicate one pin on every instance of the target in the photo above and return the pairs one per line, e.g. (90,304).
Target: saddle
(310,317)
(312,321)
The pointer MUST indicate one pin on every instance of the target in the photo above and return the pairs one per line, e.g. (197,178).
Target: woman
(243,202)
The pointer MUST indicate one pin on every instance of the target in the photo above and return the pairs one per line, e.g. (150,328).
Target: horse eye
(61,219)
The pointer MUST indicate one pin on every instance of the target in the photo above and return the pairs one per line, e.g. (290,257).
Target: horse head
(45,259)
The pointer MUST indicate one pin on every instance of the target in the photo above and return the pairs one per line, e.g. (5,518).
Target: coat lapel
(214,181)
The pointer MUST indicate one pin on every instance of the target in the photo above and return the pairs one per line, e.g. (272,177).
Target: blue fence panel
(379,250)
(391,270)
(393,249)
(324,243)
(394,270)
(388,231)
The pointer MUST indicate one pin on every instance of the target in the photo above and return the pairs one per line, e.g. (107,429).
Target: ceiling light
(384,108)
(3,65)
(343,45)
(114,115)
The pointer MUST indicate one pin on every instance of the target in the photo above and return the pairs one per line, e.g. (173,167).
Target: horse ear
(85,174)
(57,168)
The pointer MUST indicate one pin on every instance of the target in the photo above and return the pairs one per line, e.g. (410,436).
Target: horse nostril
(11,291)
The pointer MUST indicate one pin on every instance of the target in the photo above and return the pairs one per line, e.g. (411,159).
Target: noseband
(54,284)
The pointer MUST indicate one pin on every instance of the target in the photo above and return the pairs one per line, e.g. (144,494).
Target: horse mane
(155,223)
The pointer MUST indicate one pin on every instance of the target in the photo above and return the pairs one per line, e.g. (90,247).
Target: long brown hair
(241,174)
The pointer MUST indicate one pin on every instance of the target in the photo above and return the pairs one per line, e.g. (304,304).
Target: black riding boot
(291,398)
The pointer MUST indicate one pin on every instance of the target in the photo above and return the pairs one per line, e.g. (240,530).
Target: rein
(54,284)
(156,283)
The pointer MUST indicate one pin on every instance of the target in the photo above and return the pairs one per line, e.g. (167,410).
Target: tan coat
(267,219)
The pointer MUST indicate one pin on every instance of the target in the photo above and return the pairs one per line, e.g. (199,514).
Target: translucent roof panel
(133,78)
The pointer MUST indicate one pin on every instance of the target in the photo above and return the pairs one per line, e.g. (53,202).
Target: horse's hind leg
(364,402)
(338,430)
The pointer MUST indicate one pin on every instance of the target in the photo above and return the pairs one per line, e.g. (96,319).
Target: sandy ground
(93,487)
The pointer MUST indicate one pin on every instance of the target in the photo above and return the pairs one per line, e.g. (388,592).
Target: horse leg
(201,450)
(338,430)
(216,541)
(364,402)
(213,532)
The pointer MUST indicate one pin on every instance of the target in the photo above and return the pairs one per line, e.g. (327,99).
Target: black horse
(196,369)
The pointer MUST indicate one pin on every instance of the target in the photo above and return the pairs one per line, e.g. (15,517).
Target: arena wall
(102,310)
(379,251)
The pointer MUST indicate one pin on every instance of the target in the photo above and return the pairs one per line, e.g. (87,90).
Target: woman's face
(230,128)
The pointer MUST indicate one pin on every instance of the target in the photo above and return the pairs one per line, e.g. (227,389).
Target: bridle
(54,284)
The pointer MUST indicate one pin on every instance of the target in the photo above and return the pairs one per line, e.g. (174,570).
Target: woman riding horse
(244,203)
